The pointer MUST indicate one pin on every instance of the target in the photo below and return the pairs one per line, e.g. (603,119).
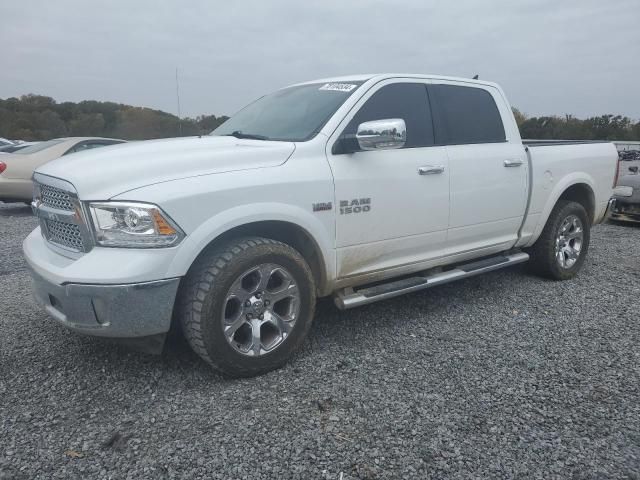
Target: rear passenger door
(487,165)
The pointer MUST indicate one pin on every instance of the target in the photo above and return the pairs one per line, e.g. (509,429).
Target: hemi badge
(319,207)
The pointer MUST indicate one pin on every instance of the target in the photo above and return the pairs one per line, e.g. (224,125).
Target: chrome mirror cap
(382,134)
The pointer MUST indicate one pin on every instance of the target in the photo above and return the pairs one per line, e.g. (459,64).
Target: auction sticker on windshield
(338,87)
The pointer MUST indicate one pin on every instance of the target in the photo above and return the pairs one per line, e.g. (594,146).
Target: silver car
(627,193)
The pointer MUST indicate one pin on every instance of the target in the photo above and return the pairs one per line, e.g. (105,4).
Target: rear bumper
(625,209)
(625,218)
(118,311)
(604,210)
(611,205)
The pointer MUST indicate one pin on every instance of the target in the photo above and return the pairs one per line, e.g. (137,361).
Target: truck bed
(559,165)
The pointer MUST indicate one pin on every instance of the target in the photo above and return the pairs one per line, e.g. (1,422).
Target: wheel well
(582,194)
(285,232)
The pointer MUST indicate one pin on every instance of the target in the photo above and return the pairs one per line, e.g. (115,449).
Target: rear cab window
(465,115)
(90,145)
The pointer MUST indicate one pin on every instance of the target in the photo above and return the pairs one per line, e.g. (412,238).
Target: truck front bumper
(107,292)
(119,311)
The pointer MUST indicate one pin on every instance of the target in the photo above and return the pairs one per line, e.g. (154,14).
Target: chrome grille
(55,198)
(64,234)
(62,218)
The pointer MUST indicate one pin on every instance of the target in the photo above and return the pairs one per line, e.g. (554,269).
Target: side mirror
(633,169)
(382,134)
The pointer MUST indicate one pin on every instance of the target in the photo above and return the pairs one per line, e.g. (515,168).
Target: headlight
(138,225)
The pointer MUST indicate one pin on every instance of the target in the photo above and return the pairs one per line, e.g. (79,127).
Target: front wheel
(247,305)
(562,246)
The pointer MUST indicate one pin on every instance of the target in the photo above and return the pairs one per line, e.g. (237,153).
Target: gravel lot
(504,375)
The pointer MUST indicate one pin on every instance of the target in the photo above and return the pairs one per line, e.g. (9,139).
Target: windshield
(38,146)
(292,114)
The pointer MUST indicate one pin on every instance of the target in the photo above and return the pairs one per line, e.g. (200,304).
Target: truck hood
(105,172)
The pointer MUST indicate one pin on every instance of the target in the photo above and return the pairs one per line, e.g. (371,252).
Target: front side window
(465,115)
(408,101)
(291,114)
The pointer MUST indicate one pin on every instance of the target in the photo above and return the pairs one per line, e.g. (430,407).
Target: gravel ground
(503,376)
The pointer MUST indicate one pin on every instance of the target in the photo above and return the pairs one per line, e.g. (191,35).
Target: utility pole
(178,100)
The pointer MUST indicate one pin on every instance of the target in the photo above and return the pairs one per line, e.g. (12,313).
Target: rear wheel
(246,306)
(563,244)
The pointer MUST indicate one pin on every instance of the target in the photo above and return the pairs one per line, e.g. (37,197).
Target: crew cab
(361,188)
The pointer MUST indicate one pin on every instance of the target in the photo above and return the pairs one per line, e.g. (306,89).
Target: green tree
(519,116)
(87,125)
(603,127)
(38,117)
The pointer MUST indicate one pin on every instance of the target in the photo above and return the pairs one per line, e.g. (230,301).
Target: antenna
(476,77)
(178,100)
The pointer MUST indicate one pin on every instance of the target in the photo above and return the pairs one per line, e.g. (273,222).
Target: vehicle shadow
(15,210)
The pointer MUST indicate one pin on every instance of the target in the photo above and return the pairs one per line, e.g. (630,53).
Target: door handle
(512,163)
(430,169)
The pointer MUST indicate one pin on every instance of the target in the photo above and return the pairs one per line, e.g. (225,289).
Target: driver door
(392,206)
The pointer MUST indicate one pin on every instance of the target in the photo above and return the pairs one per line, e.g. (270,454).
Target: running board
(349,297)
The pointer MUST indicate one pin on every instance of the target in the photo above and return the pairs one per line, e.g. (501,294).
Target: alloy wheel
(260,309)
(569,241)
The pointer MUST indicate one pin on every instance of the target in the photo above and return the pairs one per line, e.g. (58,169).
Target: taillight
(3,167)
(615,179)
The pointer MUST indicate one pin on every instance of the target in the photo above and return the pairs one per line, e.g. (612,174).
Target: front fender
(226,220)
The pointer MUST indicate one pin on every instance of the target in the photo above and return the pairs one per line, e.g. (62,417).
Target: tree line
(36,117)
(603,127)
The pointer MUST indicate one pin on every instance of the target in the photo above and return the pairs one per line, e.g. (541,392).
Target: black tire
(543,260)
(202,300)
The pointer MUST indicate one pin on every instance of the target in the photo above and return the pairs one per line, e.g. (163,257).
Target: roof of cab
(384,76)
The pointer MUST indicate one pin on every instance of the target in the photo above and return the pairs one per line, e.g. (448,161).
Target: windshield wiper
(249,136)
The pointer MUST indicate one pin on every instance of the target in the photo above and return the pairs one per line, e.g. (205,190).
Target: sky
(579,57)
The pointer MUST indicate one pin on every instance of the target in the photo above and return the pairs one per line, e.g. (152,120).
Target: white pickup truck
(362,187)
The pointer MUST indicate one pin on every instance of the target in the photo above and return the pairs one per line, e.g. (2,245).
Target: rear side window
(408,101)
(83,146)
(465,115)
